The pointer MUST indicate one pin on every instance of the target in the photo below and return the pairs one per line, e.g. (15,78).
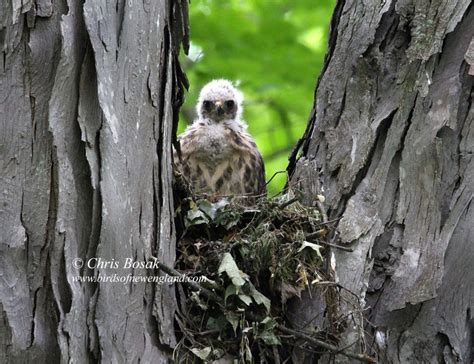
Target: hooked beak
(219,108)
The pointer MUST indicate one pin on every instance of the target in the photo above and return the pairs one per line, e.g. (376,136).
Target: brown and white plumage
(218,156)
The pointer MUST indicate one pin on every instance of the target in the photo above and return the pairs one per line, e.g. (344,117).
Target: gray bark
(88,107)
(392,138)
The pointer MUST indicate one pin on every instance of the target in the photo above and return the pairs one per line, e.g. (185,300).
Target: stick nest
(252,260)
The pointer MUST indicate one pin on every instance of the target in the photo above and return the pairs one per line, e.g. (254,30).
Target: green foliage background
(274,50)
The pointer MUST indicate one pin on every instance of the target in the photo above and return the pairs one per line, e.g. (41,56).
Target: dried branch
(334,349)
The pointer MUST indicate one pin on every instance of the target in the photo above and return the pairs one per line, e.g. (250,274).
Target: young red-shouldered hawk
(218,156)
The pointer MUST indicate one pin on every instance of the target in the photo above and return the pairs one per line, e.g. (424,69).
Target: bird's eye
(207,105)
(229,104)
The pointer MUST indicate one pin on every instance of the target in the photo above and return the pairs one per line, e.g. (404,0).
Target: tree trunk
(392,137)
(89,97)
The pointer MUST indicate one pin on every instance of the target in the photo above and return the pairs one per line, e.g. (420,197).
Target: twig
(331,221)
(316,234)
(327,283)
(345,248)
(288,203)
(276,356)
(321,233)
(274,175)
(361,357)
(321,209)
(208,332)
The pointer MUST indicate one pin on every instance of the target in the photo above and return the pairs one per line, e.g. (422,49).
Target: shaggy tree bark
(392,138)
(88,105)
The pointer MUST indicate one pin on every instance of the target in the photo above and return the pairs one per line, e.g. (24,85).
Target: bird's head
(219,100)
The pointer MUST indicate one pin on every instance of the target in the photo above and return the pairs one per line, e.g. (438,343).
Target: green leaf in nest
(259,298)
(229,266)
(245,299)
(269,338)
(212,210)
(195,217)
(266,332)
(233,319)
(202,353)
(230,291)
(208,208)
(227,218)
(217,323)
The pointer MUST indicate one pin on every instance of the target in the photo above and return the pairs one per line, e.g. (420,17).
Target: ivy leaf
(230,291)
(266,331)
(227,219)
(202,353)
(229,266)
(212,210)
(195,217)
(245,299)
(217,323)
(259,298)
(269,338)
(233,319)
(208,208)
(223,202)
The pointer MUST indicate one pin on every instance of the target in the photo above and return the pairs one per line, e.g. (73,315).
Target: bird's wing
(254,175)
(260,170)
(186,140)
(186,143)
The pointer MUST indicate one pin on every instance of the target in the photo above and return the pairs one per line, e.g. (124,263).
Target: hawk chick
(218,156)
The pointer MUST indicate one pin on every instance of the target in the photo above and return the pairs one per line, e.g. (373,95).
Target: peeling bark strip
(88,108)
(392,136)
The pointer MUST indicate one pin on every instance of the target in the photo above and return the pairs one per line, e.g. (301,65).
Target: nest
(251,261)
(254,261)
